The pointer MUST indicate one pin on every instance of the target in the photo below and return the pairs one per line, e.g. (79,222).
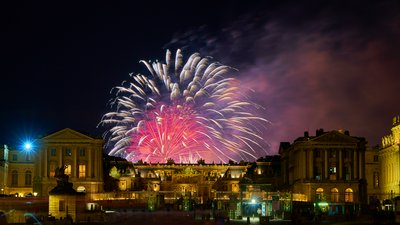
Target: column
(60,159)
(45,163)
(74,166)
(355,162)
(89,150)
(326,164)
(96,164)
(340,167)
(304,163)
(361,164)
(311,164)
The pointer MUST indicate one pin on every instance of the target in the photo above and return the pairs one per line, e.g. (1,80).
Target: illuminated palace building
(330,172)
(31,172)
(329,168)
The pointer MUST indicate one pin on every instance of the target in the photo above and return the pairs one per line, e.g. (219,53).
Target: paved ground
(188,218)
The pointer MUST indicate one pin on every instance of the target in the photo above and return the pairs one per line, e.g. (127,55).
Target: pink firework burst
(171,132)
(183,111)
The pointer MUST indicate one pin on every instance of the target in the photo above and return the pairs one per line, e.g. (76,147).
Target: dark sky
(312,64)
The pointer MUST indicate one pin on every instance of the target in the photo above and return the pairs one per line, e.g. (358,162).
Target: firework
(184,112)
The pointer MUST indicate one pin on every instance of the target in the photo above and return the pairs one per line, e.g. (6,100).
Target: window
(67,170)
(14,178)
(332,154)
(52,169)
(68,152)
(82,152)
(348,195)
(317,154)
(61,205)
(82,171)
(347,173)
(53,152)
(15,157)
(332,173)
(376,158)
(376,180)
(347,154)
(319,194)
(318,172)
(28,178)
(27,157)
(334,195)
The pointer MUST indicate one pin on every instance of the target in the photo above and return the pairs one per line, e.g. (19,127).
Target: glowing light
(253,201)
(27,146)
(323,204)
(184,111)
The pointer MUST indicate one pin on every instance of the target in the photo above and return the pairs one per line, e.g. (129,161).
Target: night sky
(314,64)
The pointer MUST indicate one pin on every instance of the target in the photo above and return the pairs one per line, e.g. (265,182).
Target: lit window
(67,170)
(319,194)
(15,157)
(27,157)
(52,169)
(53,152)
(82,152)
(348,195)
(82,171)
(28,178)
(334,195)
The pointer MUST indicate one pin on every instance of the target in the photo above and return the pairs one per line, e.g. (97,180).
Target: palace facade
(331,170)
(328,168)
(390,162)
(82,155)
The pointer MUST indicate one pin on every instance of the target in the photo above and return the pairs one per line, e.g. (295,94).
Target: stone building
(328,168)
(16,171)
(81,154)
(390,161)
(373,174)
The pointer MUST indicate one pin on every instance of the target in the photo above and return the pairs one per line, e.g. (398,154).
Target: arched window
(28,178)
(14,178)
(319,194)
(348,195)
(334,195)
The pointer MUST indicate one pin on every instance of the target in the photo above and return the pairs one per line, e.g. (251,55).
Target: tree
(170,161)
(201,162)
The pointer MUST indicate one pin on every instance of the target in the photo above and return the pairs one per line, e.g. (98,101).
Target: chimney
(319,132)
(306,134)
(346,132)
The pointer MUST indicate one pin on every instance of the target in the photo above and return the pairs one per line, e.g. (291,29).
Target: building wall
(372,172)
(81,153)
(325,167)
(389,161)
(20,173)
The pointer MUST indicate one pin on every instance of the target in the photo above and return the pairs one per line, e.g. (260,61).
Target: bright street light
(28,146)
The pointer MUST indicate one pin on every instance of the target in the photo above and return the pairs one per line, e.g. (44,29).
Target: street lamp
(28,146)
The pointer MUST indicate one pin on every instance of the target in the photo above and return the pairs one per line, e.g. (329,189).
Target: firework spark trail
(183,111)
